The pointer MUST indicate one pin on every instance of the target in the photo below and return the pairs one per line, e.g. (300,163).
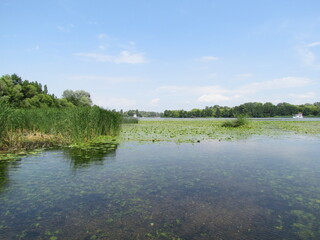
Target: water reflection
(4,178)
(5,167)
(83,157)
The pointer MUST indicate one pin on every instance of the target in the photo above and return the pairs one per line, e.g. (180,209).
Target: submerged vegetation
(234,190)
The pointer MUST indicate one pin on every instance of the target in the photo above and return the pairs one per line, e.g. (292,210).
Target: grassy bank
(198,130)
(44,127)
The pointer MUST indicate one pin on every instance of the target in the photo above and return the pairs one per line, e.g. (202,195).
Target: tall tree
(78,97)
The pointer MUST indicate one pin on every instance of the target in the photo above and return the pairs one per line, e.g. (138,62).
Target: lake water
(259,188)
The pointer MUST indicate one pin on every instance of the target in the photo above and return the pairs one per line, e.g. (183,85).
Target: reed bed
(20,128)
(5,112)
(238,122)
(130,120)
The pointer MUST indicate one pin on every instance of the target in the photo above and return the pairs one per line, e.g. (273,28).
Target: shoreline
(179,131)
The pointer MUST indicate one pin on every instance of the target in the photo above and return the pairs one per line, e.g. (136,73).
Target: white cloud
(34,49)
(103,79)
(207,58)
(280,83)
(313,44)
(102,36)
(123,57)
(155,102)
(212,75)
(66,28)
(213,98)
(127,57)
(61,28)
(92,22)
(308,56)
(99,57)
(244,75)
(308,95)
(217,94)
(102,47)
(190,90)
(115,102)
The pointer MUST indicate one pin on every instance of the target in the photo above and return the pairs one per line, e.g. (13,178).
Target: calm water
(251,189)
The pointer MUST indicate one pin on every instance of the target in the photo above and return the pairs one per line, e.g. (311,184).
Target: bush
(238,122)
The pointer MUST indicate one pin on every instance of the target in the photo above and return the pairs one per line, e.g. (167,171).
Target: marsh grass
(5,112)
(130,120)
(238,122)
(30,128)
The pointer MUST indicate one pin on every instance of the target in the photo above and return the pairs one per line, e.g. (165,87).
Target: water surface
(259,188)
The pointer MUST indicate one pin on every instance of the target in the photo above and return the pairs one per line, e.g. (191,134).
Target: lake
(258,188)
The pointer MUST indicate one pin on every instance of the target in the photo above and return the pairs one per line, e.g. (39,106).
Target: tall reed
(5,111)
(73,125)
(238,122)
(88,122)
(130,120)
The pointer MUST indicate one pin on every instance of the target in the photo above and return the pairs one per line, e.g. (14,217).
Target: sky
(168,54)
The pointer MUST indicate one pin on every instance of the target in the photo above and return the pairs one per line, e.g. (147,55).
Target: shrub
(238,122)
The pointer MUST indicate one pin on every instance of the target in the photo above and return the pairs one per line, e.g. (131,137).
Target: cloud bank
(122,57)
(216,94)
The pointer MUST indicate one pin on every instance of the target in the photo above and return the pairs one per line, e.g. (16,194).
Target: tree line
(137,113)
(251,109)
(26,94)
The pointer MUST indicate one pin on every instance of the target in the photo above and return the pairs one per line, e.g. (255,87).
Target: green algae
(16,156)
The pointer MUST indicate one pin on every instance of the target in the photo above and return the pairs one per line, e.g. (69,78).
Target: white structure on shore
(299,115)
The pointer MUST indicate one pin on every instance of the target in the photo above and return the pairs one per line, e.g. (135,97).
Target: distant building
(299,115)
(135,115)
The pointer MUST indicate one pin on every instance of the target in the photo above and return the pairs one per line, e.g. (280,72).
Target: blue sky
(157,55)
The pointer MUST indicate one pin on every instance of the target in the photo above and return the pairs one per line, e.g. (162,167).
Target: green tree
(269,110)
(78,97)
